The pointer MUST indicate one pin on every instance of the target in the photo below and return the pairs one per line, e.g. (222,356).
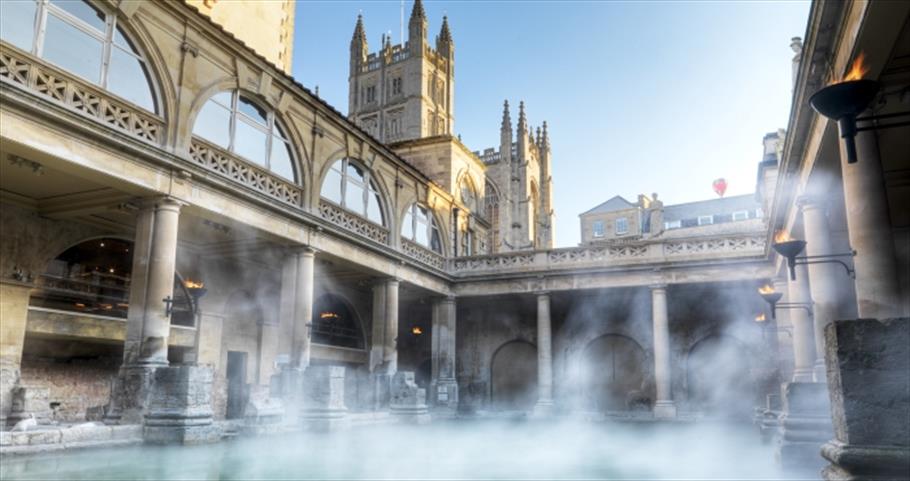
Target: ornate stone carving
(256,178)
(24,71)
(353,222)
(422,254)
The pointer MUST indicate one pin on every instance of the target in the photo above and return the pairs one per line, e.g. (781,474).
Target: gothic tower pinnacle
(417,29)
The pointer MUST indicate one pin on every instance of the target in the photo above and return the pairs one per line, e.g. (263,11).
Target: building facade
(210,211)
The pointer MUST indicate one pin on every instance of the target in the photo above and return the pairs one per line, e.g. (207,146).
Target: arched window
(491,212)
(335,324)
(233,121)
(82,39)
(469,195)
(93,277)
(419,225)
(351,186)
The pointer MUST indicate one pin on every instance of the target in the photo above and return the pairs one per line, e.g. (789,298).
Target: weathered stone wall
(77,384)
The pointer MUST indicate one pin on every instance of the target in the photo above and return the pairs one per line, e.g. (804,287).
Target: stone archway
(513,377)
(613,368)
(718,377)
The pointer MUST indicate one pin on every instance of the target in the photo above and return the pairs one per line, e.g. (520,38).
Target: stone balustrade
(652,251)
(353,222)
(39,77)
(422,254)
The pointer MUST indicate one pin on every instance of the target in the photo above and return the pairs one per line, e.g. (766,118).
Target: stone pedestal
(180,407)
(322,399)
(28,401)
(408,402)
(768,418)
(804,426)
(665,410)
(444,394)
(287,385)
(130,395)
(868,364)
(263,416)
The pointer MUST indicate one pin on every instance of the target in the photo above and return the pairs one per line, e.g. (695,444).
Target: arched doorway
(613,366)
(336,324)
(513,377)
(718,378)
(93,278)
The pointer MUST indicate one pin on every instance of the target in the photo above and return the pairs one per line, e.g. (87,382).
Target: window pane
(250,142)
(17,23)
(407,225)
(83,11)
(422,234)
(127,78)
(72,49)
(280,160)
(252,110)
(355,172)
(213,123)
(331,186)
(353,197)
(435,242)
(374,212)
(422,215)
(121,40)
(223,98)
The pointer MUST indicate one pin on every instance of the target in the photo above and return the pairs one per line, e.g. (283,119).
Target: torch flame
(416,330)
(760,317)
(766,289)
(191,284)
(328,315)
(857,70)
(781,236)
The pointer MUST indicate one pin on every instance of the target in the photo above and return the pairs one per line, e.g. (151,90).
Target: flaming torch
(844,100)
(771,297)
(789,248)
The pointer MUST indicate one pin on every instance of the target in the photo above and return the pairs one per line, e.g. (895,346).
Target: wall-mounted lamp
(791,248)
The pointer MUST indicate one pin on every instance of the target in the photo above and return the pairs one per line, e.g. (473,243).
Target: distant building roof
(617,202)
(726,205)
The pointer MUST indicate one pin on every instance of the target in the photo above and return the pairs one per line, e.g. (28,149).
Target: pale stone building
(337,259)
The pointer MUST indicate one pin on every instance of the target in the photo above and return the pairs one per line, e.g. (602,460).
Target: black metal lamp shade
(843,102)
(790,249)
(772,298)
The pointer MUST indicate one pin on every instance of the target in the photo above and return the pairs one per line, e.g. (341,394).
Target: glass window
(240,125)
(419,225)
(78,37)
(705,219)
(598,228)
(741,215)
(673,224)
(351,186)
(17,23)
(622,225)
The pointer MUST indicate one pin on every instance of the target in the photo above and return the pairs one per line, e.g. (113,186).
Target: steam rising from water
(447,450)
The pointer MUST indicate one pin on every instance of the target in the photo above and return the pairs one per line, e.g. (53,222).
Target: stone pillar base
(322,396)
(408,402)
(665,410)
(180,407)
(444,394)
(28,401)
(804,426)
(130,395)
(263,416)
(868,363)
(872,463)
(544,408)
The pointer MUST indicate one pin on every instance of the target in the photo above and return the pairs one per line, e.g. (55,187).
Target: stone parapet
(180,407)
(868,369)
(322,399)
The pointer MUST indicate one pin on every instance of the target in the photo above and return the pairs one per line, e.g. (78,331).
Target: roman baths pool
(456,449)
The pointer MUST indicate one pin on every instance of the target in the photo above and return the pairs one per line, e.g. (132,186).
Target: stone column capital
(809,202)
(658,286)
(307,251)
(447,299)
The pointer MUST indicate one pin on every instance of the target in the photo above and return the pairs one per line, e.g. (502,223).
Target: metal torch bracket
(883,117)
(827,259)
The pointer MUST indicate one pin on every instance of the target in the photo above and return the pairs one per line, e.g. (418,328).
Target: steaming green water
(463,450)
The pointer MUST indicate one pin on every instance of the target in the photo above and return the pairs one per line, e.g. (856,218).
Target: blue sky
(640,97)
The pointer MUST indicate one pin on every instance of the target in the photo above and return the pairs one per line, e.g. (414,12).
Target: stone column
(823,278)
(148,324)
(14,313)
(443,387)
(544,404)
(784,330)
(390,340)
(803,330)
(869,229)
(303,309)
(664,407)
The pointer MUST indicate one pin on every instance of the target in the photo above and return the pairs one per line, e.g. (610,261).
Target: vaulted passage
(514,377)
(719,378)
(614,371)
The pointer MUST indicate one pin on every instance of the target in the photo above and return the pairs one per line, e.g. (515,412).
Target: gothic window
(235,122)
(468,195)
(82,39)
(371,94)
(491,209)
(419,225)
(351,186)
(335,323)
(396,86)
(467,242)
(93,278)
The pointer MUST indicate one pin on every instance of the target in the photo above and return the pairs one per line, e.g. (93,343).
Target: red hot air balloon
(720,186)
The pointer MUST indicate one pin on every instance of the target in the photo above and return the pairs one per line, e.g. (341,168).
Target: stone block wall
(77,385)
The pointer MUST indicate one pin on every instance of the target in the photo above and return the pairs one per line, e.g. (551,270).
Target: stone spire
(444,43)
(506,118)
(539,138)
(545,142)
(417,29)
(360,35)
(522,121)
(359,48)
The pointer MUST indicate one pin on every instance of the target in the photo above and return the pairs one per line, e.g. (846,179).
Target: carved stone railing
(651,251)
(257,178)
(422,254)
(353,222)
(33,74)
